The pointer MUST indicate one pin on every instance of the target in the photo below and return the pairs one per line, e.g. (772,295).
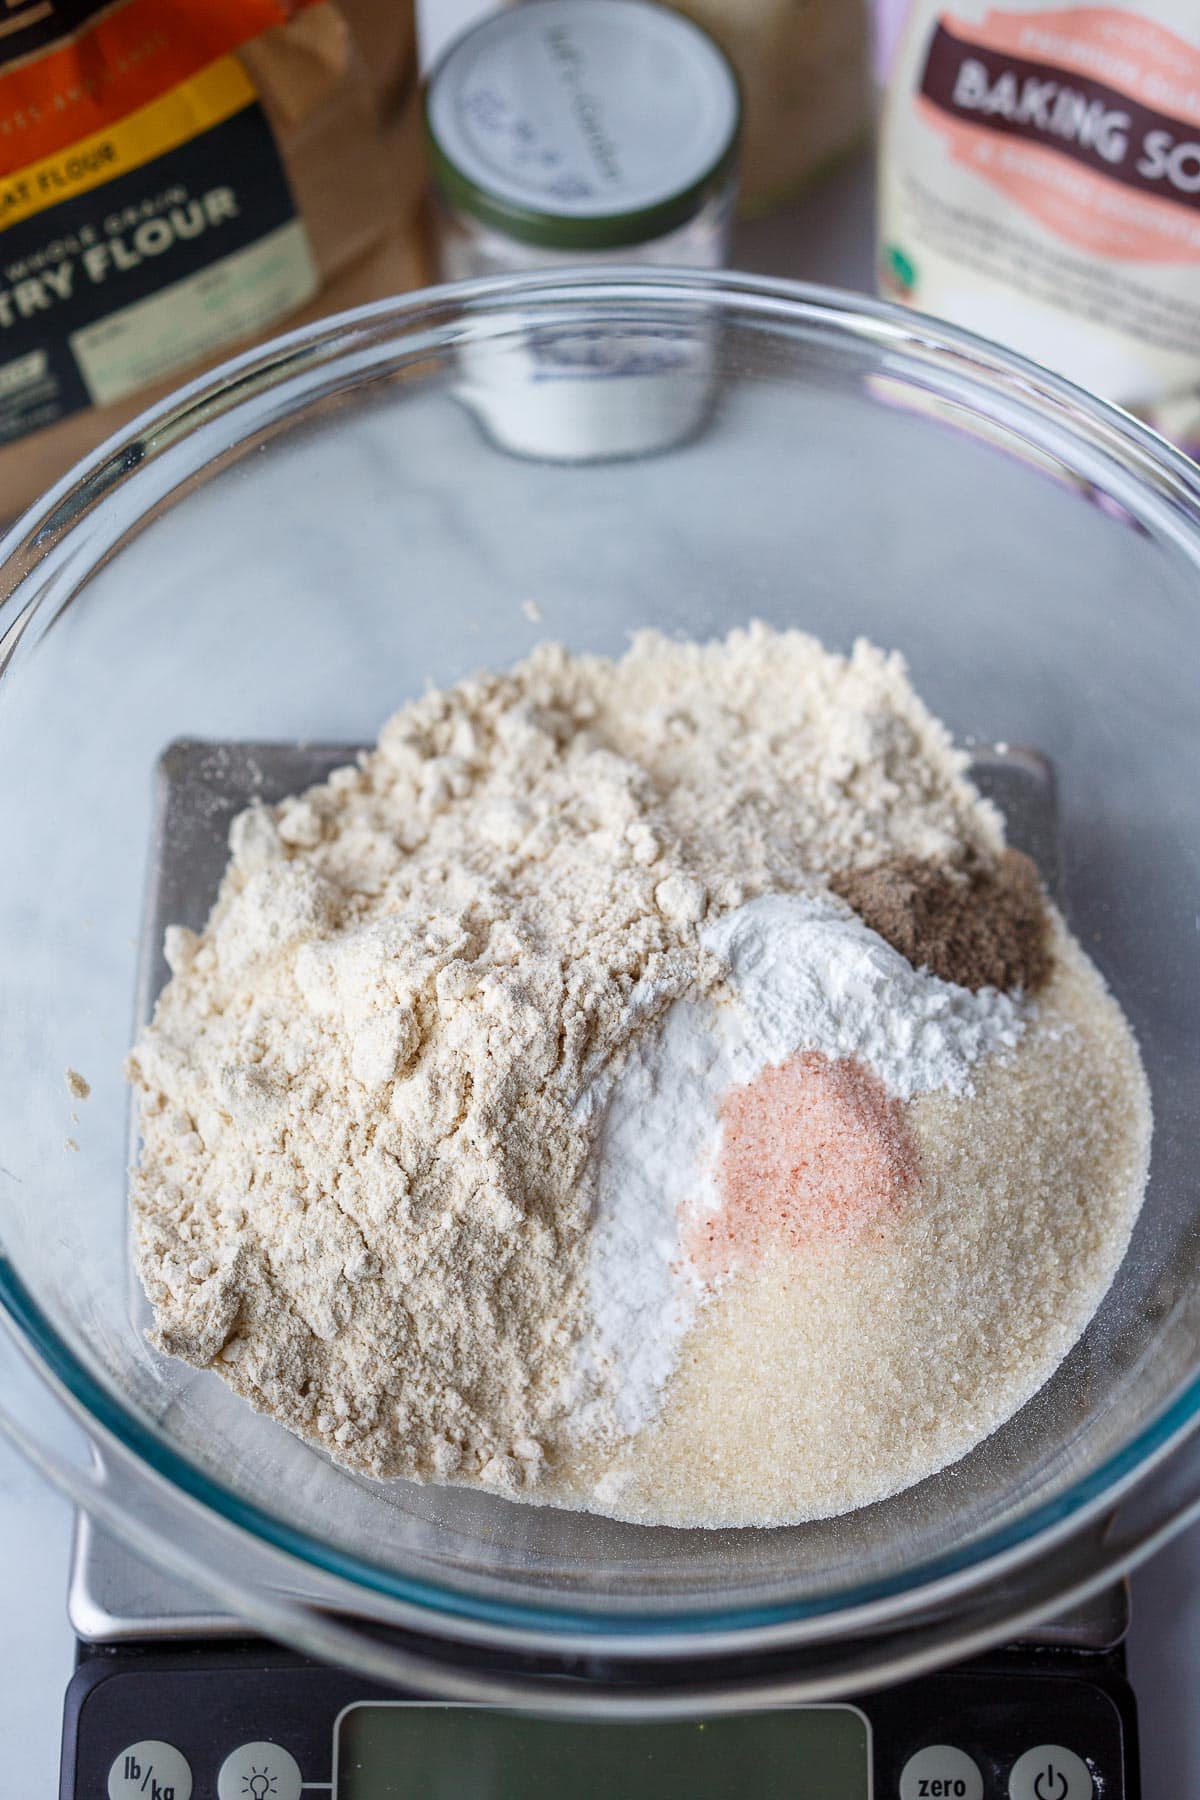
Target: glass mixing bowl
(292,547)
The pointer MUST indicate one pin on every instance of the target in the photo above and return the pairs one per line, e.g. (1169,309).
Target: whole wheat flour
(375,1092)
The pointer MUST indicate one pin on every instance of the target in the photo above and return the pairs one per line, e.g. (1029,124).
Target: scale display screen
(404,1752)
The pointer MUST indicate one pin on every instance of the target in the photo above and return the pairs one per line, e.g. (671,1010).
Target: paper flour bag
(1040,183)
(178,179)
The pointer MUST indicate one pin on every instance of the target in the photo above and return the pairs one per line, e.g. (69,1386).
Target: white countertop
(826,237)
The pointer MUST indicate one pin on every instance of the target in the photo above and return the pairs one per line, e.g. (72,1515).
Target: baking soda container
(571,136)
(1040,183)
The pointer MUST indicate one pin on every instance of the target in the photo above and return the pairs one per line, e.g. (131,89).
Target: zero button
(941,1772)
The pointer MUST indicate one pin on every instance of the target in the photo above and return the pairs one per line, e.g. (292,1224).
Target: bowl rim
(1146,457)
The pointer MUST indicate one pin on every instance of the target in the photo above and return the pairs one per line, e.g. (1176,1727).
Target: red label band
(1098,126)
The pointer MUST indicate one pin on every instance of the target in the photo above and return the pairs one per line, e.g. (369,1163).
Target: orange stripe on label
(130,56)
(214,95)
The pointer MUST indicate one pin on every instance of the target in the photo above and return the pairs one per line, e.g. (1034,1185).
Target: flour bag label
(1040,183)
(146,218)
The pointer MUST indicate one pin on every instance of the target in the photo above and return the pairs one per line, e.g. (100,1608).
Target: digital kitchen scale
(171,1701)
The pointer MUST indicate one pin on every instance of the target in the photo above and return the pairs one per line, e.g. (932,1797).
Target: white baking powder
(811,976)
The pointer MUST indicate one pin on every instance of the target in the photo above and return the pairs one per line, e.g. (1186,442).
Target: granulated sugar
(815,1384)
(530,1113)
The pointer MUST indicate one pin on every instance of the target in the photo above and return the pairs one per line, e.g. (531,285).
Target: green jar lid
(583,124)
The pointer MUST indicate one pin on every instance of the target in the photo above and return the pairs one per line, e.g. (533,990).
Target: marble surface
(825,237)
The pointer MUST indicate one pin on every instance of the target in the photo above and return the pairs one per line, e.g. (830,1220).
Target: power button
(1050,1773)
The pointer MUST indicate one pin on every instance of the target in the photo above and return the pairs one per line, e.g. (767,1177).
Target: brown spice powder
(987,927)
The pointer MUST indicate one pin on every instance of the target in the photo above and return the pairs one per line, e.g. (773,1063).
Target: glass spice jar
(566,135)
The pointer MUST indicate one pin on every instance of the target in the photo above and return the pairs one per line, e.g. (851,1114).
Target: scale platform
(172,1701)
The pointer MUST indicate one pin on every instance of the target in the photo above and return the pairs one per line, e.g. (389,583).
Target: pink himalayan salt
(812,1149)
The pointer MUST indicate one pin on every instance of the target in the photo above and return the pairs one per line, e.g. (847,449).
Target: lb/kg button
(150,1770)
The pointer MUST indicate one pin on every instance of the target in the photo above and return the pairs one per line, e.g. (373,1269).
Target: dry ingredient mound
(822,1383)
(366,1183)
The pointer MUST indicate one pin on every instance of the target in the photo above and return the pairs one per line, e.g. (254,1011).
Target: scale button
(941,1772)
(150,1770)
(1050,1773)
(259,1772)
